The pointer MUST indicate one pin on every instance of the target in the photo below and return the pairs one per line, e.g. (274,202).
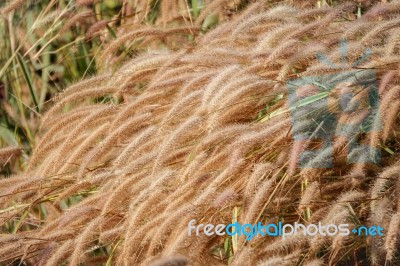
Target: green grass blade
(28,80)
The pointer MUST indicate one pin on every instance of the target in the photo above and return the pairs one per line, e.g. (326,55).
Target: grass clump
(179,124)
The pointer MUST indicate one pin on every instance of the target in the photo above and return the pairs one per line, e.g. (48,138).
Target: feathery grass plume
(65,119)
(84,15)
(196,84)
(111,235)
(284,260)
(135,106)
(226,134)
(222,77)
(296,59)
(148,198)
(378,30)
(115,45)
(338,242)
(144,161)
(312,192)
(392,43)
(61,253)
(243,256)
(317,162)
(182,194)
(269,16)
(211,8)
(177,260)
(385,81)
(286,245)
(392,237)
(386,114)
(234,113)
(86,84)
(85,146)
(260,172)
(11,252)
(170,85)
(12,6)
(224,198)
(211,189)
(75,215)
(254,88)
(49,18)
(272,38)
(181,134)
(97,117)
(6,183)
(180,106)
(62,234)
(182,241)
(166,74)
(254,138)
(381,10)
(8,153)
(131,251)
(142,137)
(15,190)
(297,148)
(122,192)
(127,129)
(315,262)
(79,96)
(390,120)
(51,148)
(95,28)
(227,28)
(72,190)
(262,196)
(360,27)
(381,211)
(337,214)
(170,224)
(83,240)
(283,50)
(159,62)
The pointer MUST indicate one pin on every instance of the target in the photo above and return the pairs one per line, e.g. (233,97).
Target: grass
(41,56)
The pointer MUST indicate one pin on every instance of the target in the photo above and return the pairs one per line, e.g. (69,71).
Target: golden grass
(200,133)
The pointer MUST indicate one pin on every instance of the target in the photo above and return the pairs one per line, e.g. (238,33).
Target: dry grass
(200,132)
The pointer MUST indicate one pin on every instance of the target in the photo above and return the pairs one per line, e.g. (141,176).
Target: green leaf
(302,102)
(209,22)
(310,99)
(388,150)
(8,137)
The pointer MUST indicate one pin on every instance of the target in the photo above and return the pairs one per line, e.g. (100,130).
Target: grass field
(123,120)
